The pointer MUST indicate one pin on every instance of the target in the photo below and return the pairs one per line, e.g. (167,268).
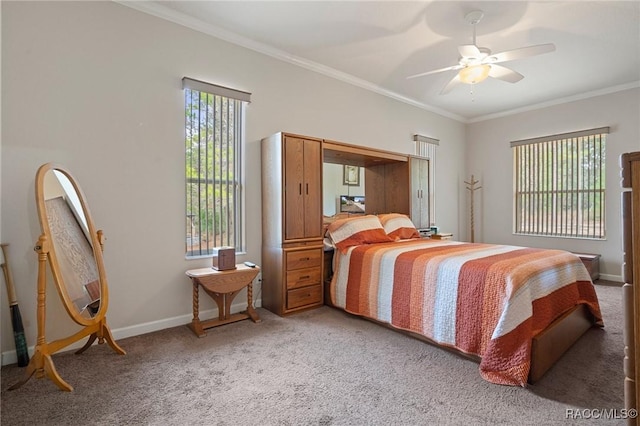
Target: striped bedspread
(483,299)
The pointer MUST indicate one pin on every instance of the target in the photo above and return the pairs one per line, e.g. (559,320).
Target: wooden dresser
(291,223)
(630,164)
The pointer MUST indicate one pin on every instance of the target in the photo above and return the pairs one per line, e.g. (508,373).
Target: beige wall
(96,86)
(490,159)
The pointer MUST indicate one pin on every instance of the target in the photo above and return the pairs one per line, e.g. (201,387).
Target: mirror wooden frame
(95,327)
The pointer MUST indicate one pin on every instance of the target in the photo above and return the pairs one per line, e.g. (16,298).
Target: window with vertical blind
(214,143)
(426,147)
(559,185)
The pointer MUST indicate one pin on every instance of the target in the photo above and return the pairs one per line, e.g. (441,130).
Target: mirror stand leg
(106,335)
(31,368)
(51,373)
(42,365)
(103,333)
(86,346)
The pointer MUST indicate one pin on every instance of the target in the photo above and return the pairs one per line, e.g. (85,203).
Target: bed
(514,309)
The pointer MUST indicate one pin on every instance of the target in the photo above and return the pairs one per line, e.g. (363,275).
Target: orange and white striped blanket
(482,299)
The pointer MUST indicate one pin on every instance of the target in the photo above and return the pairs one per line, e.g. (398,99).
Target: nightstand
(222,287)
(592,263)
(442,236)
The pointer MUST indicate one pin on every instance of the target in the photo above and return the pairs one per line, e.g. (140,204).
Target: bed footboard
(549,345)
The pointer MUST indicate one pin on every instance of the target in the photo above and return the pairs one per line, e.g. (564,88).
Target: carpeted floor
(320,367)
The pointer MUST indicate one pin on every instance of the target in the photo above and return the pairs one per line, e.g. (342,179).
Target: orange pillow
(354,231)
(398,226)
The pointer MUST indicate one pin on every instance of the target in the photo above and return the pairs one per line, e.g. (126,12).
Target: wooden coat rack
(472,188)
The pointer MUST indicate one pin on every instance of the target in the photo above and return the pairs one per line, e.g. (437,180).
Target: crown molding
(555,102)
(155,9)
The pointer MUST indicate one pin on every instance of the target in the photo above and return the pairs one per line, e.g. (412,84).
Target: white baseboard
(10,357)
(609,277)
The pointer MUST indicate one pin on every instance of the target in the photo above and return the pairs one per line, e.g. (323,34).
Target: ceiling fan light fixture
(474,74)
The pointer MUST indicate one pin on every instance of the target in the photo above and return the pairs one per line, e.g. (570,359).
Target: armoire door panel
(312,190)
(294,182)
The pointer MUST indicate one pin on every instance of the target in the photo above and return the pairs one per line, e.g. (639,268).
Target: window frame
(232,178)
(554,182)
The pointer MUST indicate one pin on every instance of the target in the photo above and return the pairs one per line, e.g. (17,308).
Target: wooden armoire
(630,164)
(292,246)
(292,218)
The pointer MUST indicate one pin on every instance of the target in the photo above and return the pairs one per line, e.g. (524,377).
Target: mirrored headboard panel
(354,172)
(335,185)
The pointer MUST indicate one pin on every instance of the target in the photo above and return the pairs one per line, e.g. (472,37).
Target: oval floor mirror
(73,249)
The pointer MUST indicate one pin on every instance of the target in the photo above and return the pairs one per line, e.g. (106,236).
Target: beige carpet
(321,367)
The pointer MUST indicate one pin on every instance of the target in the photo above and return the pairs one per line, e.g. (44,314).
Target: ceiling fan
(477,63)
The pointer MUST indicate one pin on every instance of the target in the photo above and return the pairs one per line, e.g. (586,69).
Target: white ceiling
(378,44)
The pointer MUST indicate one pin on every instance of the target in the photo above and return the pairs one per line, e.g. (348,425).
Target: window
(214,117)
(426,147)
(559,184)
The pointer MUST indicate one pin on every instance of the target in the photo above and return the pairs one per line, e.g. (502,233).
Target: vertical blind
(559,184)
(426,147)
(213,159)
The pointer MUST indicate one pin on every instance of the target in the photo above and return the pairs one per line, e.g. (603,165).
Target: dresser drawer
(300,259)
(304,296)
(303,277)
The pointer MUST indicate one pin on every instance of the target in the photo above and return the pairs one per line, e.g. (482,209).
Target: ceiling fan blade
(523,52)
(422,74)
(451,84)
(469,51)
(504,74)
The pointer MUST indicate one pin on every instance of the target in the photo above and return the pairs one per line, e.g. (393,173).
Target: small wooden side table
(222,287)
